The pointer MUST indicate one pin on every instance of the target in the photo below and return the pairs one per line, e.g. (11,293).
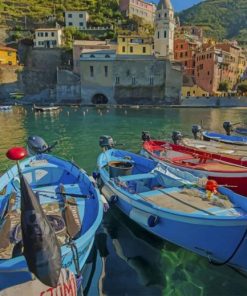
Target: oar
(64,193)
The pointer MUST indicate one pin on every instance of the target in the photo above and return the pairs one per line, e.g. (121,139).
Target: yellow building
(135,45)
(194,91)
(8,56)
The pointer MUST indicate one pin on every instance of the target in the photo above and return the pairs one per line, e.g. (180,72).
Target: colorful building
(135,45)
(212,68)
(76,19)
(190,89)
(185,52)
(8,56)
(48,38)
(142,9)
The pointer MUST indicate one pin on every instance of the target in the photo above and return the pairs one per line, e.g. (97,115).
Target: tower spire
(166,4)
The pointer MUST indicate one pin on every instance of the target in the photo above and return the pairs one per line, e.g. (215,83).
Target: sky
(181,4)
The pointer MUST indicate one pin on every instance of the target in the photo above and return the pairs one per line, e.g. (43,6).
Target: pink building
(139,8)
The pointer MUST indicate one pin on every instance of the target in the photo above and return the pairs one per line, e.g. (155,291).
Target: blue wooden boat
(168,203)
(232,139)
(58,184)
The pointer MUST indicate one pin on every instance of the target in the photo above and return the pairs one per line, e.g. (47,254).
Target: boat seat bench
(136,177)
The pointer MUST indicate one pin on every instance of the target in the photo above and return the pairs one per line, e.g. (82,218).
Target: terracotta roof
(7,48)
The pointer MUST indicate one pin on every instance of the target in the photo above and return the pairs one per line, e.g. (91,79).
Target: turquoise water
(132,262)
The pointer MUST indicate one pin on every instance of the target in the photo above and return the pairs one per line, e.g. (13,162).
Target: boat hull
(196,235)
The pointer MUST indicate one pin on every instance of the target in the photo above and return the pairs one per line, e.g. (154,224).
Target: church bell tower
(164,30)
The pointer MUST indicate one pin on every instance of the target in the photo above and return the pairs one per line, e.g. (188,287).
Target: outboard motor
(37,145)
(146,136)
(227,125)
(106,142)
(196,129)
(176,137)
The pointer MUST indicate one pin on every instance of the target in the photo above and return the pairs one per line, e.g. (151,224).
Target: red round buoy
(16,153)
(211,185)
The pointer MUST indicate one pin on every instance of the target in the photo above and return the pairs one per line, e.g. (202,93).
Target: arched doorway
(99,99)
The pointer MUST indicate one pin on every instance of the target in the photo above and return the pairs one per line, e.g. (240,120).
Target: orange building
(8,56)
(212,67)
(223,62)
(184,51)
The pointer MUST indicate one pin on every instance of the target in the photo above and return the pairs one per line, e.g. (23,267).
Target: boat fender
(113,199)
(144,218)
(96,175)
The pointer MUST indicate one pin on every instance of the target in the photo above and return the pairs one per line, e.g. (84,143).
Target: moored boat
(233,151)
(229,139)
(241,130)
(70,202)
(166,202)
(46,108)
(6,108)
(225,170)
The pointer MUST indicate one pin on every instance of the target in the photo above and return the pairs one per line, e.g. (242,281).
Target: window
(54,42)
(123,39)
(131,49)
(46,34)
(181,55)
(70,24)
(123,49)
(208,73)
(164,34)
(81,24)
(182,46)
(186,63)
(80,15)
(70,15)
(144,49)
(158,35)
(117,80)
(106,71)
(91,71)
(9,53)
(151,80)
(165,14)
(186,53)
(133,80)
(52,34)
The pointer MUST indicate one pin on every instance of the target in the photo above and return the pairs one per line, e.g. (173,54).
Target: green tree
(242,87)
(223,86)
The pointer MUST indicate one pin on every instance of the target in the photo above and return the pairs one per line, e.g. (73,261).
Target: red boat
(225,170)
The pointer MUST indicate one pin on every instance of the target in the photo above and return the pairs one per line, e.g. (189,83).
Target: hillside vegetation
(221,19)
(36,11)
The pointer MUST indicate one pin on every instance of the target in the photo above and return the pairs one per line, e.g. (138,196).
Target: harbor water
(128,260)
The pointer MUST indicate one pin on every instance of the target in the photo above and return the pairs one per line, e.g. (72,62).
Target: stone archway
(99,99)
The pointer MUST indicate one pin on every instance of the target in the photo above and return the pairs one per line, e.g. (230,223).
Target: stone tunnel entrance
(99,99)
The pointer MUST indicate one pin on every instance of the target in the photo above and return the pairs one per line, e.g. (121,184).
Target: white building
(48,37)
(76,19)
(164,30)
